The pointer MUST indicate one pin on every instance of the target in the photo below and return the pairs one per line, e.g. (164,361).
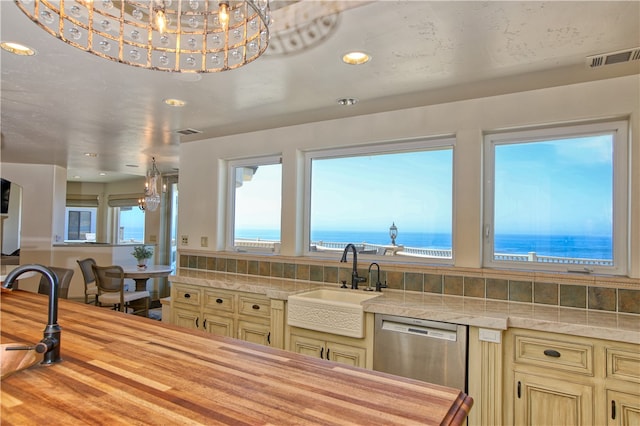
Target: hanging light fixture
(168,35)
(151,199)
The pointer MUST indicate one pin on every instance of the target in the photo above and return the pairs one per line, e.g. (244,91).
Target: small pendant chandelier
(151,199)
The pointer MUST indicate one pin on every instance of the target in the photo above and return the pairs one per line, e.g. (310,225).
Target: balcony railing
(388,250)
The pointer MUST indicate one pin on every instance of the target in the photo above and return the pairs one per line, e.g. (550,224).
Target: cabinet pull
(196,322)
(613,409)
(204,324)
(269,338)
(187,295)
(218,300)
(519,385)
(321,353)
(328,356)
(552,353)
(256,307)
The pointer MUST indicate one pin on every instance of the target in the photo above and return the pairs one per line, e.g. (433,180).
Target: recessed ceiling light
(17,48)
(175,102)
(90,154)
(356,58)
(347,101)
(102,174)
(76,177)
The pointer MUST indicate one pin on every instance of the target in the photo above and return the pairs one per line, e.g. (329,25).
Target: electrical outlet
(153,239)
(185,240)
(204,241)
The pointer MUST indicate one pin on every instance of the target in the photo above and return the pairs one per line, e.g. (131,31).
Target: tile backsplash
(613,294)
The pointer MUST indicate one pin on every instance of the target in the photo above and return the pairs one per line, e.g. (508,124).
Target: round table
(140,276)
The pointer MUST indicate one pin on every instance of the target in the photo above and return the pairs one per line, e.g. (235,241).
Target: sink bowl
(332,311)
(13,361)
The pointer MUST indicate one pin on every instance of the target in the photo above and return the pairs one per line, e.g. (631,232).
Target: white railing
(534,257)
(380,249)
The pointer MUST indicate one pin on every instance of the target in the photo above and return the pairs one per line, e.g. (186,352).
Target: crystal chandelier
(168,35)
(151,199)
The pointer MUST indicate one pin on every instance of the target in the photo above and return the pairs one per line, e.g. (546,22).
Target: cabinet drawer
(623,365)
(188,295)
(559,355)
(254,306)
(218,301)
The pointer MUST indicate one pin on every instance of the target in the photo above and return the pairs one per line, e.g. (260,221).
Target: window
(555,199)
(357,195)
(130,225)
(80,224)
(255,205)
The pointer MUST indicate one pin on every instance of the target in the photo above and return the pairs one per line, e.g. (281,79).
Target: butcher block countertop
(122,369)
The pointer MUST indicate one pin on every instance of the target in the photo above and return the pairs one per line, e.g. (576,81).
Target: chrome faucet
(50,343)
(355,279)
(379,285)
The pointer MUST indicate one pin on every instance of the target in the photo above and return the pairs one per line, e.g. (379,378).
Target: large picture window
(255,190)
(388,200)
(556,199)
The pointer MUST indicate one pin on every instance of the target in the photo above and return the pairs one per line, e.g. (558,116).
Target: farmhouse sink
(16,360)
(332,311)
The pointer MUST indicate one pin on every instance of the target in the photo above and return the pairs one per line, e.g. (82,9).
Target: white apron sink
(328,310)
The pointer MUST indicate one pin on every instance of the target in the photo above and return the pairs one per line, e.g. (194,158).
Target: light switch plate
(185,240)
(487,335)
(204,241)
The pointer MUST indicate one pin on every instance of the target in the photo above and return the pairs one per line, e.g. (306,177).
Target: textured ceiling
(62,103)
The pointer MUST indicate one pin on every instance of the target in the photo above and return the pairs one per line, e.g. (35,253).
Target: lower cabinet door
(307,346)
(218,325)
(346,354)
(254,332)
(624,408)
(187,318)
(551,401)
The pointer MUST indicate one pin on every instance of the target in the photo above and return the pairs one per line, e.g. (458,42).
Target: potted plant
(142,253)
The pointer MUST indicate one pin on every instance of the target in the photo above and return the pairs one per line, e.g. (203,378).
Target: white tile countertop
(472,311)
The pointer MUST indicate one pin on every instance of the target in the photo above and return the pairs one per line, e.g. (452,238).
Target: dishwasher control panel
(435,333)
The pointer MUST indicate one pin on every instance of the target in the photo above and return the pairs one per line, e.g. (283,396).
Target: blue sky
(554,187)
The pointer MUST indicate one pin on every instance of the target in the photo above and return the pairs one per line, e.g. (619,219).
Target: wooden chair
(90,286)
(64,279)
(110,280)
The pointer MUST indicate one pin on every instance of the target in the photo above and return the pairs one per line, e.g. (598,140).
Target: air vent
(613,57)
(188,131)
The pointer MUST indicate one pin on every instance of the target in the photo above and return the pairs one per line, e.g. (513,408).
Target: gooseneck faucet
(50,343)
(379,285)
(355,279)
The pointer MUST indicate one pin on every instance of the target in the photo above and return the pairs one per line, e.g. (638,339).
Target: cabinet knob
(552,353)
(256,307)
(218,300)
(187,295)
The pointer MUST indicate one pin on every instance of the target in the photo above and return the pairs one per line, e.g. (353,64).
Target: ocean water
(572,246)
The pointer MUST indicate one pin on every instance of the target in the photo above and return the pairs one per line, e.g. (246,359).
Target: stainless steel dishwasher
(431,351)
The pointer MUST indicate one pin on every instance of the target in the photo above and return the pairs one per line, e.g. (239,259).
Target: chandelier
(168,35)
(151,199)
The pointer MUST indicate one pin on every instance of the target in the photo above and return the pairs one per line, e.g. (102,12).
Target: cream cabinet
(240,315)
(342,349)
(554,378)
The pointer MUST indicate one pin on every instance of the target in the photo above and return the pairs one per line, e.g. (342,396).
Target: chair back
(110,279)
(87,272)
(64,276)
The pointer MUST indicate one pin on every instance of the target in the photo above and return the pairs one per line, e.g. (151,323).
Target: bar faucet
(355,279)
(50,343)
(379,285)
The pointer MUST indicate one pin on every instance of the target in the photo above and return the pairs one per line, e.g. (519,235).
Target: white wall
(202,212)
(43,199)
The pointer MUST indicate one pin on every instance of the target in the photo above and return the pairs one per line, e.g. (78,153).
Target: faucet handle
(344,284)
